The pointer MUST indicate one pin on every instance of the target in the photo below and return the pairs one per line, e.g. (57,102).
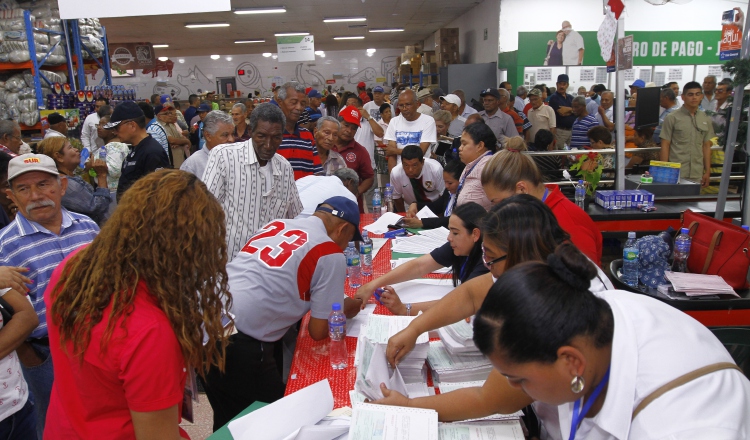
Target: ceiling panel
(419,18)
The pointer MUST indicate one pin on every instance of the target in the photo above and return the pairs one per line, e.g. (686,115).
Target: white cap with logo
(31,162)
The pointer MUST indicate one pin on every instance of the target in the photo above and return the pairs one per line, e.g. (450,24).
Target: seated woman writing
(440,207)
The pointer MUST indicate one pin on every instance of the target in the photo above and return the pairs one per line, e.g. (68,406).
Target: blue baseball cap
(314,94)
(345,209)
(638,83)
(166,100)
(204,108)
(378,89)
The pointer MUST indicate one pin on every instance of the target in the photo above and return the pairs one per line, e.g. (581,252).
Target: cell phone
(400,223)
(394,227)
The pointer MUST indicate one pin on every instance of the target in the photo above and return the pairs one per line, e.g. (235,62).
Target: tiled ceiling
(419,18)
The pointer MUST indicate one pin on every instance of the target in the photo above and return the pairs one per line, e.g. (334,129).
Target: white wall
(260,72)
(586,15)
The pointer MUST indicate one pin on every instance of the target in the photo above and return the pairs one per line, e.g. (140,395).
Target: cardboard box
(446,40)
(428,57)
(418,48)
(409,50)
(447,32)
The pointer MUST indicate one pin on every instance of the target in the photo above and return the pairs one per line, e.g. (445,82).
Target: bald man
(572,53)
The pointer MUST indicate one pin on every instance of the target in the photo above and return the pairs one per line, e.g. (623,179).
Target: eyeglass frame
(488,264)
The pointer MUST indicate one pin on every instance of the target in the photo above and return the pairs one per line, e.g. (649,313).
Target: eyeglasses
(117,127)
(488,264)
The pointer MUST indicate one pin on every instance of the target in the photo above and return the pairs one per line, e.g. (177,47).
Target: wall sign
(543,75)
(675,74)
(731,36)
(587,75)
(297,48)
(125,56)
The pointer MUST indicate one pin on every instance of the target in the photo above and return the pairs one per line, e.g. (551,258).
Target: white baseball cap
(451,98)
(31,162)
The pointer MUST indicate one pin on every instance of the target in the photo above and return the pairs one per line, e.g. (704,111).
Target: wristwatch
(408,309)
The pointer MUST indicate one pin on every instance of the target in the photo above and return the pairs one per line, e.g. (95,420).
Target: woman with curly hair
(130,310)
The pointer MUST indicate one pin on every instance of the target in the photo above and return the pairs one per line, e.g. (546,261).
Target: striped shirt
(235,177)
(298,149)
(25,243)
(159,134)
(517,120)
(579,137)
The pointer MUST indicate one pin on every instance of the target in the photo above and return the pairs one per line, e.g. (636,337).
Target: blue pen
(395,233)
(379,291)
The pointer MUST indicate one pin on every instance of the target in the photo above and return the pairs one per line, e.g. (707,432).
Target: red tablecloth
(311,362)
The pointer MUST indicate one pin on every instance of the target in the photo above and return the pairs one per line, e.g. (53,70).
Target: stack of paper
(447,367)
(497,430)
(381,327)
(424,243)
(381,225)
(453,386)
(425,213)
(458,338)
(393,422)
(693,284)
(399,261)
(354,325)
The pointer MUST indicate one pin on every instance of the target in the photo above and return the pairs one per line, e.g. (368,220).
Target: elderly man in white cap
(452,103)
(41,236)
(425,100)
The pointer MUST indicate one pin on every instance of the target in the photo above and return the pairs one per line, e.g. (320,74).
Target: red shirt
(364,97)
(358,159)
(583,232)
(517,120)
(142,370)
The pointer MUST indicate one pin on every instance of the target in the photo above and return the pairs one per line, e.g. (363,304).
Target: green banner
(295,39)
(650,48)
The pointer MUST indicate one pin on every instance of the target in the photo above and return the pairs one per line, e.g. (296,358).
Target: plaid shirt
(7,151)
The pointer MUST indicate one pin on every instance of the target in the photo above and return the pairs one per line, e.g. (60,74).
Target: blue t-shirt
(579,137)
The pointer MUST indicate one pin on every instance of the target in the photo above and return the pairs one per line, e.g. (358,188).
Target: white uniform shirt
(468,111)
(425,109)
(374,110)
(573,42)
(53,133)
(289,268)
(314,190)
(14,391)
(431,179)
(236,179)
(365,137)
(89,136)
(653,344)
(411,132)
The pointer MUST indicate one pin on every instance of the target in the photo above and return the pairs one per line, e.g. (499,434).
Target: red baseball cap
(351,115)
(361,85)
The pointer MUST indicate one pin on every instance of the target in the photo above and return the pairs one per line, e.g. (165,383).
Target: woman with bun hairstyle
(511,172)
(599,359)
(517,230)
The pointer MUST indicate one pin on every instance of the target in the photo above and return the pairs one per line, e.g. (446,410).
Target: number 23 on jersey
(276,255)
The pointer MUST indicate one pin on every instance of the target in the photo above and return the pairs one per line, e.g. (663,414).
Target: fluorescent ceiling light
(162,58)
(260,40)
(371,50)
(358,37)
(291,34)
(229,58)
(206,25)
(181,60)
(387,30)
(319,52)
(343,19)
(274,56)
(215,57)
(267,54)
(157,46)
(278,10)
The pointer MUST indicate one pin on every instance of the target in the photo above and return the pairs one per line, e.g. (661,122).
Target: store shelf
(35,127)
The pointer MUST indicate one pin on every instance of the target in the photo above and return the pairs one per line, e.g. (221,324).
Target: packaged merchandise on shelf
(624,199)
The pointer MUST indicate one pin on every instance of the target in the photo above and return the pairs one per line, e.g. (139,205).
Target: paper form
(377,245)
(423,289)
(425,213)
(446,387)
(374,370)
(440,359)
(381,225)
(380,422)
(354,325)
(500,430)
(399,261)
(381,327)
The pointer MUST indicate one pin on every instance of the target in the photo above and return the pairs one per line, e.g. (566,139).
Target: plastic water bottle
(103,153)
(630,261)
(580,194)
(365,254)
(681,250)
(353,269)
(337,333)
(388,197)
(377,202)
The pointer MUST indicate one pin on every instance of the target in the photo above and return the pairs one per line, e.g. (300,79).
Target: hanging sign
(731,35)
(587,75)
(625,53)
(601,75)
(543,75)
(296,48)
(126,56)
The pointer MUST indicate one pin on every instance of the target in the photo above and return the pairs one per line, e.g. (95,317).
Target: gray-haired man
(521,101)
(217,129)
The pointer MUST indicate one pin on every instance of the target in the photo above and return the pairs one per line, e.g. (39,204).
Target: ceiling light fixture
(242,11)
(260,40)
(343,19)
(163,58)
(228,58)
(267,54)
(358,37)
(159,46)
(205,25)
(274,56)
(291,34)
(371,50)
(181,60)
(215,57)
(319,52)
(387,30)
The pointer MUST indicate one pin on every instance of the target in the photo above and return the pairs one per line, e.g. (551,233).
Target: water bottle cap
(631,234)
(336,307)
(387,185)
(746,227)
(684,231)
(364,234)
(351,244)
(580,182)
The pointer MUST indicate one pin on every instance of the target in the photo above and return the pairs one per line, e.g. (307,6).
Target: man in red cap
(354,154)
(362,91)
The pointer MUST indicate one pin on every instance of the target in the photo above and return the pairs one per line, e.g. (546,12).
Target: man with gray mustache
(41,236)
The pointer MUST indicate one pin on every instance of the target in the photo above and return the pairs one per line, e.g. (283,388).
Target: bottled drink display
(681,250)
(337,333)
(388,197)
(630,257)
(353,269)
(365,254)
(376,203)
(580,194)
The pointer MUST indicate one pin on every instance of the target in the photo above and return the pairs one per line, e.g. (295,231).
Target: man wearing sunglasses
(129,123)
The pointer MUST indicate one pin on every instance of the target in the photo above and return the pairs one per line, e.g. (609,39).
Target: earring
(577,384)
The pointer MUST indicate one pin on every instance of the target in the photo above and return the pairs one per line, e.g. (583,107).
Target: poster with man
(566,49)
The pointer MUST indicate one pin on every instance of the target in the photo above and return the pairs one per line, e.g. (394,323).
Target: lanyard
(463,269)
(578,413)
(546,193)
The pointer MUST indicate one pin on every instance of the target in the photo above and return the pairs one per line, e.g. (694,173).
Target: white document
(399,261)
(695,284)
(321,432)
(423,289)
(286,416)
(381,327)
(500,430)
(423,243)
(383,422)
(381,225)
(425,213)
(374,370)
(377,245)
(354,325)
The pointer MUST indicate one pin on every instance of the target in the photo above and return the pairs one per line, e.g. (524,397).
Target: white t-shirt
(431,178)
(13,388)
(411,132)
(314,190)
(365,137)
(374,110)
(425,109)
(573,42)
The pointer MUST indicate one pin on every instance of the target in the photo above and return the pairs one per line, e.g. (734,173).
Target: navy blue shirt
(444,256)
(190,113)
(144,158)
(556,101)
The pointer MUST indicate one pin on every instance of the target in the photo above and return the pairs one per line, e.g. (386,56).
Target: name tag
(131,164)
